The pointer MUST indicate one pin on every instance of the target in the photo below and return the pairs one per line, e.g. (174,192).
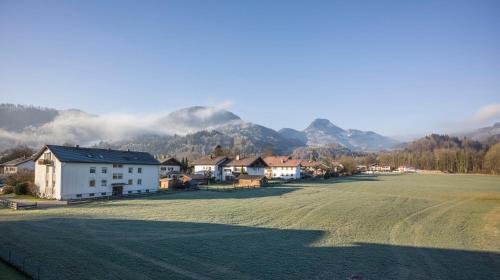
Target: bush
(21,188)
(7,189)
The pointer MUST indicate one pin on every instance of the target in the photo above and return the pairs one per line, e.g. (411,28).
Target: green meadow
(362,227)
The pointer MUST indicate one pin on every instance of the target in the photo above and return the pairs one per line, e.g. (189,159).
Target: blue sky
(395,67)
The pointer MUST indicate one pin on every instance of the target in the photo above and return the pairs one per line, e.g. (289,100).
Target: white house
(170,168)
(16,165)
(282,167)
(73,172)
(254,166)
(211,166)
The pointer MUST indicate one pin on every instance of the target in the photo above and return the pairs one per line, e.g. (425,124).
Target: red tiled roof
(210,160)
(244,162)
(280,161)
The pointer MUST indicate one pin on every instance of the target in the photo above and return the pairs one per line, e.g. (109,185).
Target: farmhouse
(314,168)
(210,166)
(170,168)
(63,172)
(243,165)
(16,165)
(282,167)
(245,180)
(196,179)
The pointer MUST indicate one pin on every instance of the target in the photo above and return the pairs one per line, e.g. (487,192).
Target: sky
(400,68)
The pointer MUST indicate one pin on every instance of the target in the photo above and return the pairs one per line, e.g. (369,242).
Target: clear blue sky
(396,67)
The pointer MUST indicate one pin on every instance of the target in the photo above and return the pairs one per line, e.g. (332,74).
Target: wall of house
(165,169)
(228,171)
(76,179)
(215,169)
(284,172)
(48,177)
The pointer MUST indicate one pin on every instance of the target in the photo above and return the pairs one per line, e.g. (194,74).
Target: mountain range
(191,132)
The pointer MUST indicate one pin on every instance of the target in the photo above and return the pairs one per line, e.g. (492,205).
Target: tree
(349,165)
(17,152)
(492,159)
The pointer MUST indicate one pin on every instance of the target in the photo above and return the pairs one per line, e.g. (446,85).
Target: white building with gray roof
(64,173)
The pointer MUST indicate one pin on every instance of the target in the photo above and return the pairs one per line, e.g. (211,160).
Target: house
(64,173)
(210,166)
(245,180)
(252,165)
(314,168)
(16,165)
(282,167)
(196,179)
(167,183)
(170,168)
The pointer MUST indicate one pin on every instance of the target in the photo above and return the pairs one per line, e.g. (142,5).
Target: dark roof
(246,161)
(171,162)
(93,155)
(251,177)
(210,160)
(17,161)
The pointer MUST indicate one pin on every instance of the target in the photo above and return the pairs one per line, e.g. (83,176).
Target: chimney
(237,157)
(77,146)
(282,160)
(128,150)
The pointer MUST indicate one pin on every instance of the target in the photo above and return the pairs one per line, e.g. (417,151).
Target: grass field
(386,227)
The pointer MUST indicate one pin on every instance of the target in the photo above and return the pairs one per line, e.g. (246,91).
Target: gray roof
(17,161)
(93,155)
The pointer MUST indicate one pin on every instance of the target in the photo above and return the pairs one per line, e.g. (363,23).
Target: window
(79,195)
(104,183)
(92,170)
(117,176)
(104,170)
(91,194)
(129,192)
(103,193)
(139,181)
(130,170)
(117,165)
(139,191)
(139,170)
(147,190)
(163,169)
(130,181)
(92,183)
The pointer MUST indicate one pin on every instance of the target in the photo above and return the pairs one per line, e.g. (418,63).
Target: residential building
(170,168)
(63,172)
(210,166)
(16,165)
(282,167)
(252,165)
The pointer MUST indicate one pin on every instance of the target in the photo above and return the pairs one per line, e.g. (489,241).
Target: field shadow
(66,248)
(233,194)
(337,180)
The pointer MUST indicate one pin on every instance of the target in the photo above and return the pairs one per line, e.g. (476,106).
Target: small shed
(167,183)
(195,179)
(245,180)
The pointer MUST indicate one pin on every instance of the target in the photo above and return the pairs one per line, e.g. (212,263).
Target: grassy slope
(393,227)
(8,273)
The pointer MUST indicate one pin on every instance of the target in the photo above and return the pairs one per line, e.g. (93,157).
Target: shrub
(7,189)
(21,188)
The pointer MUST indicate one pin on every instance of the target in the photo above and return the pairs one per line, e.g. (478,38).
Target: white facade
(28,165)
(71,180)
(228,171)
(284,172)
(167,169)
(214,170)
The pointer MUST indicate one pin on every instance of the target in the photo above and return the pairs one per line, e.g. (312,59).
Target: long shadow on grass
(234,194)
(127,249)
(336,180)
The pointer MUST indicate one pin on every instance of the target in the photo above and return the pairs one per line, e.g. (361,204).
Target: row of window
(104,170)
(105,193)
(104,183)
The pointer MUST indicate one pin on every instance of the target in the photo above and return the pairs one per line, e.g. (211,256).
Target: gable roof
(210,160)
(245,161)
(282,161)
(94,155)
(17,161)
(171,162)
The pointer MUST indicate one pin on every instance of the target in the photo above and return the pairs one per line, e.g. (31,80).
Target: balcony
(45,162)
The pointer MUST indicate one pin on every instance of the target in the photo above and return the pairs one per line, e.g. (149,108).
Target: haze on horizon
(400,69)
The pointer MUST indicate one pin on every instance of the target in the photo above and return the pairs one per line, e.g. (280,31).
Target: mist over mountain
(189,131)
(491,133)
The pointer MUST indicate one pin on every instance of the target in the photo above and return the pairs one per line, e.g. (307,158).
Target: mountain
(198,118)
(19,117)
(485,133)
(322,132)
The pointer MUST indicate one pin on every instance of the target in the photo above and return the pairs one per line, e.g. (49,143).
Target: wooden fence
(17,205)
